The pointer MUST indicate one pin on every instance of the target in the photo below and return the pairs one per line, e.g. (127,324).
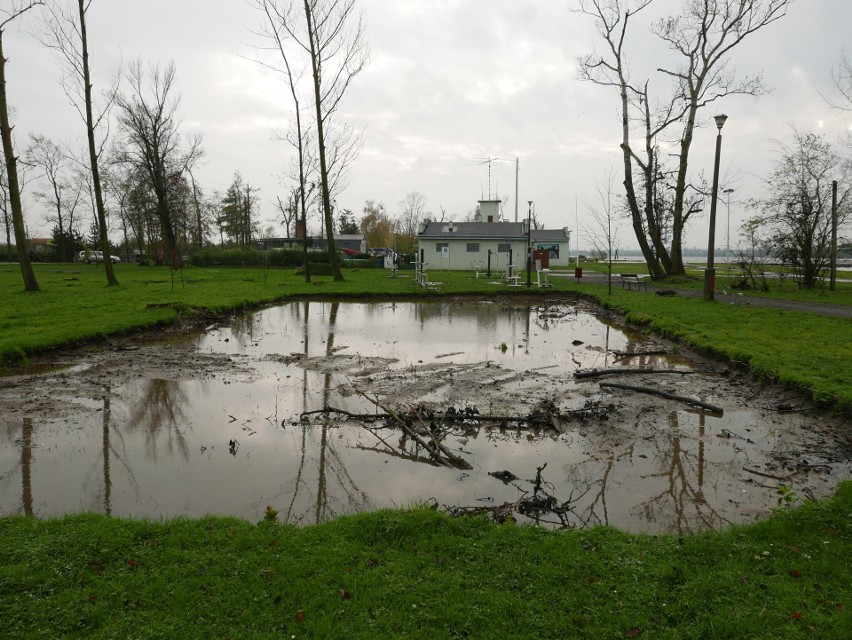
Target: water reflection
(26,468)
(159,446)
(680,505)
(160,413)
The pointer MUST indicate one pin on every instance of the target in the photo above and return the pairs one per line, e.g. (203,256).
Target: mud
(146,424)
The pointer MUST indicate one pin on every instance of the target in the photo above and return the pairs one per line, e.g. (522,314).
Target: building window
(504,247)
(440,246)
(473,247)
(552,248)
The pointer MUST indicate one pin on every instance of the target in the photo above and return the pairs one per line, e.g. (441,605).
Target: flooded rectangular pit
(214,424)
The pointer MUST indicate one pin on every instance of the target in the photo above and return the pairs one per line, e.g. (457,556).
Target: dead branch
(768,475)
(596,373)
(665,394)
(438,451)
(535,418)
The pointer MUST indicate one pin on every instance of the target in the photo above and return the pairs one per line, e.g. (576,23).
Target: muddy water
(213,423)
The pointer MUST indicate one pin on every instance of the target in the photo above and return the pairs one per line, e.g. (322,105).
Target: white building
(462,246)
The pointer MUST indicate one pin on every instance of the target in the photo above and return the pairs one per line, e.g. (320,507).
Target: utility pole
(517,168)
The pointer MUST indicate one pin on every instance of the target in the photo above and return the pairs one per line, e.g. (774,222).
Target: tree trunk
(326,198)
(30,283)
(635,214)
(93,154)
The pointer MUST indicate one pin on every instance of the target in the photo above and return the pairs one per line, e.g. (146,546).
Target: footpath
(834,310)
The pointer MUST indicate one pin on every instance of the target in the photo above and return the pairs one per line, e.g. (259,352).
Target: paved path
(834,310)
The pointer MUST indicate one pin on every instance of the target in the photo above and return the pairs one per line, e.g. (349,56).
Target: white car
(96,256)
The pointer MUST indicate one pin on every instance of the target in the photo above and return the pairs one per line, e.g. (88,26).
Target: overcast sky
(451,83)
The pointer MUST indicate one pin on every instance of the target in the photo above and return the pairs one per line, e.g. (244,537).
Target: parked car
(95,256)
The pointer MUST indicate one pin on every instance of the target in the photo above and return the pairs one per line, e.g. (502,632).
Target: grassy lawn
(809,351)
(417,573)
(421,574)
(786,289)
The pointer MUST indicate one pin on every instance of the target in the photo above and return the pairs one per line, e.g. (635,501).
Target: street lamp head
(720,121)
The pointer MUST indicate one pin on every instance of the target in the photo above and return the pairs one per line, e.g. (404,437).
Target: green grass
(786,289)
(799,349)
(421,574)
(75,305)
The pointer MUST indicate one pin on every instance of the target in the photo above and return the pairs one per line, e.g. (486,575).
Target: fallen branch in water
(665,394)
(537,417)
(597,373)
(436,450)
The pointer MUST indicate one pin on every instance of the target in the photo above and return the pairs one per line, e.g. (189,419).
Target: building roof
(485,230)
(550,235)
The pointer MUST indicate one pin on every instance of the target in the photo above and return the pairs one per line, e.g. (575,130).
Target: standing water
(271,410)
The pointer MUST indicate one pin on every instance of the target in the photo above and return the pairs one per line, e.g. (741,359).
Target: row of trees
(145,172)
(659,117)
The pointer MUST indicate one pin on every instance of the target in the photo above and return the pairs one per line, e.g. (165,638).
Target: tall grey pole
(517,170)
(833,281)
(710,271)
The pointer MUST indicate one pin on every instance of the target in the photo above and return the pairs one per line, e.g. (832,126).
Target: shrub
(218,257)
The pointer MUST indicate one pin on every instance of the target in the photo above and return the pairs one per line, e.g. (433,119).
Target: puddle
(214,424)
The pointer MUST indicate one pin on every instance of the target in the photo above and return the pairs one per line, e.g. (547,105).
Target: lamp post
(710,271)
(728,193)
(529,244)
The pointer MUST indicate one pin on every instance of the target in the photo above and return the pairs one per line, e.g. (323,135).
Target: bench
(630,279)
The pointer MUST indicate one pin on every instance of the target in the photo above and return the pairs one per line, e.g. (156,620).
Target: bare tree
(329,35)
(152,143)
(412,210)
(602,232)
(289,211)
(841,77)
(65,32)
(701,40)
(797,215)
(63,192)
(277,29)
(30,283)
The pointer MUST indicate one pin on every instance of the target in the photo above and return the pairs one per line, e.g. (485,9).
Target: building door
(542,255)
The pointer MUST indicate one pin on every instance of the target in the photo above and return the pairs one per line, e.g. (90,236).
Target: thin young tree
(275,29)
(7,16)
(602,232)
(65,32)
(338,52)
(701,40)
(329,35)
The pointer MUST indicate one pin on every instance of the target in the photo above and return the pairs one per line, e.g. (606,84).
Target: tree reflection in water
(327,501)
(681,506)
(23,463)
(159,412)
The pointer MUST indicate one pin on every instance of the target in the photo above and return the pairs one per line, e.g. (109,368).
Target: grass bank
(421,574)
(805,350)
